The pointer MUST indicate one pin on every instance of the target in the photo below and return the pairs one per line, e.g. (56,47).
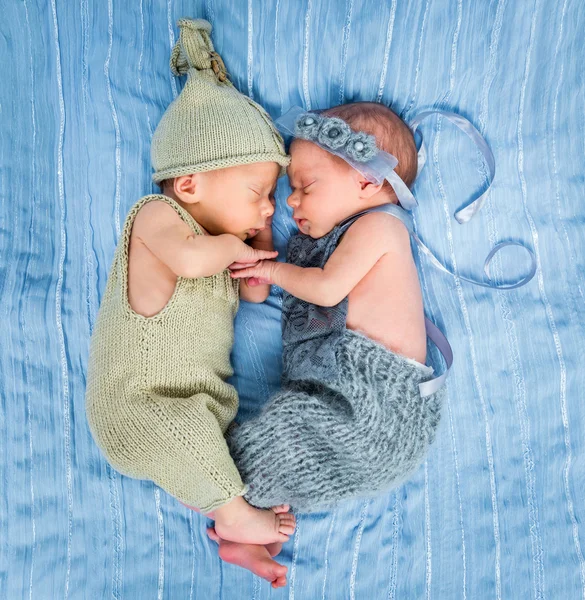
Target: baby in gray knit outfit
(349,420)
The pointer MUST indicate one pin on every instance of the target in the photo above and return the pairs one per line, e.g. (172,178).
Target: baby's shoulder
(155,206)
(380,227)
(155,212)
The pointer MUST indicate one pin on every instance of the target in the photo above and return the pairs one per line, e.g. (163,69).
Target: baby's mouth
(253,232)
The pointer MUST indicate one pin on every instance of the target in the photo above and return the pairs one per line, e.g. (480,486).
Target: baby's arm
(362,246)
(259,292)
(171,240)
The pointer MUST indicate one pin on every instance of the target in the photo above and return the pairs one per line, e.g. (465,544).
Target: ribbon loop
(463,215)
(427,388)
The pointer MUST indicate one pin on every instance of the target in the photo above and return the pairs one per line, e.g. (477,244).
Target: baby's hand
(263,271)
(251,281)
(255,282)
(247,256)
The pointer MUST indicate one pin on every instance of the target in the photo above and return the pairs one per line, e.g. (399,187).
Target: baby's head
(237,200)
(216,151)
(326,189)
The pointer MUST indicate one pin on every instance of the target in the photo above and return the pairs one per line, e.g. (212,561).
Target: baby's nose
(293,200)
(267,209)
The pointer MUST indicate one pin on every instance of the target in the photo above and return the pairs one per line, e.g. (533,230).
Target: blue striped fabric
(497,510)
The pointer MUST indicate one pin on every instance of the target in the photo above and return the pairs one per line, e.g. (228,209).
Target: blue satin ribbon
(465,214)
(438,338)
(486,265)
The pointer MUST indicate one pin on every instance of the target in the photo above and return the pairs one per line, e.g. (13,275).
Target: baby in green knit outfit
(158,403)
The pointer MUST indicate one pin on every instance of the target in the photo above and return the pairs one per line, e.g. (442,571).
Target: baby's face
(324,191)
(237,200)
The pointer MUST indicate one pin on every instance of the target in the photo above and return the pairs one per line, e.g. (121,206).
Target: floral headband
(357,148)
(336,134)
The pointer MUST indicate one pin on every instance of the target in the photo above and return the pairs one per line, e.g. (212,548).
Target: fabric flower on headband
(362,147)
(335,134)
(307,126)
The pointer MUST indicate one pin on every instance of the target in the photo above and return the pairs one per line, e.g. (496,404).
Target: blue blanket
(498,508)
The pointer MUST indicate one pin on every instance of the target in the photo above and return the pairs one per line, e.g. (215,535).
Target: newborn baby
(350,419)
(158,402)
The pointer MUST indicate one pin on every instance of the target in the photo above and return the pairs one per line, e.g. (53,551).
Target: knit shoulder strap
(123,250)
(390,209)
(185,216)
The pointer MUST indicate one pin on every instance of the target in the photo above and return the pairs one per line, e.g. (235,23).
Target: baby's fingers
(243,273)
(265,254)
(239,265)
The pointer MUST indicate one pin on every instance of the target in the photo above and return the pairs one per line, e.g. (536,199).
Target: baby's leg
(254,558)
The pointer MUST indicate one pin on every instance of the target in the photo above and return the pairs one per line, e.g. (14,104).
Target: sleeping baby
(350,419)
(158,402)
(354,416)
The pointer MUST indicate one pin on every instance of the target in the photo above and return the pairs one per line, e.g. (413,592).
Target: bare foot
(254,558)
(237,521)
(279,582)
(273,549)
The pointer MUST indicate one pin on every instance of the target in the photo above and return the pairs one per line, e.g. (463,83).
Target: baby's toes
(288,518)
(286,528)
(281,508)
(279,582)
(212,535)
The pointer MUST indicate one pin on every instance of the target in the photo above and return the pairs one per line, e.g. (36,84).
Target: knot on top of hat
(195,50)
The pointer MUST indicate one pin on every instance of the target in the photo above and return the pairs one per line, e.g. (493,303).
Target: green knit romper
(157,402)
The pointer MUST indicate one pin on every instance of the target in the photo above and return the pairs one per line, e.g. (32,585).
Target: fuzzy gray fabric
(317,443)
(349,420)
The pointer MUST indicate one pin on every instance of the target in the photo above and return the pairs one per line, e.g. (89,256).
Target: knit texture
(210,125)
(318,443)
(158,403)
(349,420)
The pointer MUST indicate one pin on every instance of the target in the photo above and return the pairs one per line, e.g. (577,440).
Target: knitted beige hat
(210,125)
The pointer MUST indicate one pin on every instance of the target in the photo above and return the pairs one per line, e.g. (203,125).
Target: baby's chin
(248,234)
(304,226)
(312,230)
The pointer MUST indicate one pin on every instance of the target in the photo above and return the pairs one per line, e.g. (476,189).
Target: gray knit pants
(359,433)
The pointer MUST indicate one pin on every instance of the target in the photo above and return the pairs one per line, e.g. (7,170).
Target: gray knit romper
(349,420)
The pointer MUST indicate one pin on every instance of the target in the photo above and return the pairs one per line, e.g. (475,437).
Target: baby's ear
(185,187)
(369,189)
